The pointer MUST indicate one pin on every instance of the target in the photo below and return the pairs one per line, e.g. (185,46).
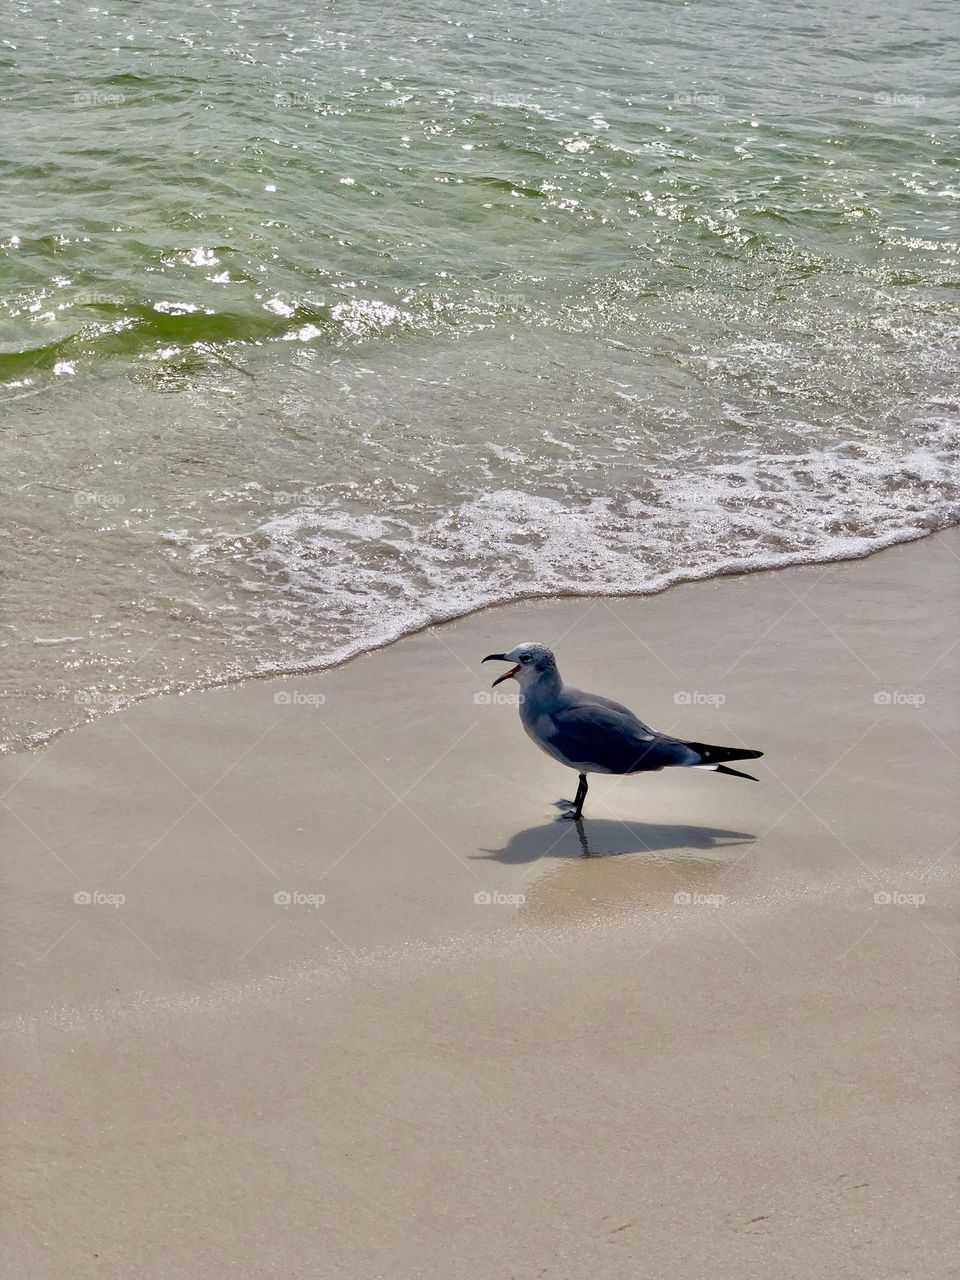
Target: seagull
(596,735)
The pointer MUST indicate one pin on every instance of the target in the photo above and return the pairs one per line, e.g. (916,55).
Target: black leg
(581,795)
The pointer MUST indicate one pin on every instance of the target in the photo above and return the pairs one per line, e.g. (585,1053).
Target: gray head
(532,662)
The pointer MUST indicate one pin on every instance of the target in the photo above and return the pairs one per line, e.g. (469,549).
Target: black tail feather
(717,755)
(735,773)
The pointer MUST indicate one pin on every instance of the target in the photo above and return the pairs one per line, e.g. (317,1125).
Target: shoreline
(723,1041)
(732,569)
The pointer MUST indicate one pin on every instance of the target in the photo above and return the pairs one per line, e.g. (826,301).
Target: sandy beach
(304,977)
(342,345)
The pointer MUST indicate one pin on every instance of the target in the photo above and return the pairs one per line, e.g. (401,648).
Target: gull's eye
(524,657)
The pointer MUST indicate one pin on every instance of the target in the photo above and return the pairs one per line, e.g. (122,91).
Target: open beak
(501,657)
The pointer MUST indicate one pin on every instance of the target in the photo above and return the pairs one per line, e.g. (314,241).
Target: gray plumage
(593,734)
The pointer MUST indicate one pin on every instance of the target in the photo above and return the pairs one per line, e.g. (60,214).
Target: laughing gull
(593,734)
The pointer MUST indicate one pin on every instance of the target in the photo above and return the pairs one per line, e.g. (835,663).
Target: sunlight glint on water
(318,322)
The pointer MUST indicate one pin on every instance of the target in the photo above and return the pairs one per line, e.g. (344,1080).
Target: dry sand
(714,1055)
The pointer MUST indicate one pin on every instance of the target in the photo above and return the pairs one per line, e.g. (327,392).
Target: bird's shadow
(603,838)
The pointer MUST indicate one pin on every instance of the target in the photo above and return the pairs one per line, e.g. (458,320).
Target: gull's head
(531,661)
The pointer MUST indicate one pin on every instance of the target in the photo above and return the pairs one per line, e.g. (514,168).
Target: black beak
(502,657)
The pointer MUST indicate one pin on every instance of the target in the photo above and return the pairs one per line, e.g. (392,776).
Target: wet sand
(721,1044)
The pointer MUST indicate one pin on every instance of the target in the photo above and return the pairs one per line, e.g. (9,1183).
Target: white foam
(372,580)
(333,576)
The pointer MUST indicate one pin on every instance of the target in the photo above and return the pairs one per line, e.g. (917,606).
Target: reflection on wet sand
(585,873)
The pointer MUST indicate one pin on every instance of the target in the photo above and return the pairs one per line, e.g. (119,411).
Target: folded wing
(603,735)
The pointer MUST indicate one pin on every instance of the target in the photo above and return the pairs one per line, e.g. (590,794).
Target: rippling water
(318,322)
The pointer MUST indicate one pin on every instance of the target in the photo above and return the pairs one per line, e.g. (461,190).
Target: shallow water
(321,322)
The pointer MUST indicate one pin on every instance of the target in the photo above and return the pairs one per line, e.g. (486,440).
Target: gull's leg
(581,795)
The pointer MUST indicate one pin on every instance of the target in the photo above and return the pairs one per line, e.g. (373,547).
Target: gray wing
(577,698)
(608,736)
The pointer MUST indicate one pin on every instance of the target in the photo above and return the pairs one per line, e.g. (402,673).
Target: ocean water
(322,321)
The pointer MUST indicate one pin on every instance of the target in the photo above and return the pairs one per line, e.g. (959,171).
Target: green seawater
(308,313)
(183,180)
